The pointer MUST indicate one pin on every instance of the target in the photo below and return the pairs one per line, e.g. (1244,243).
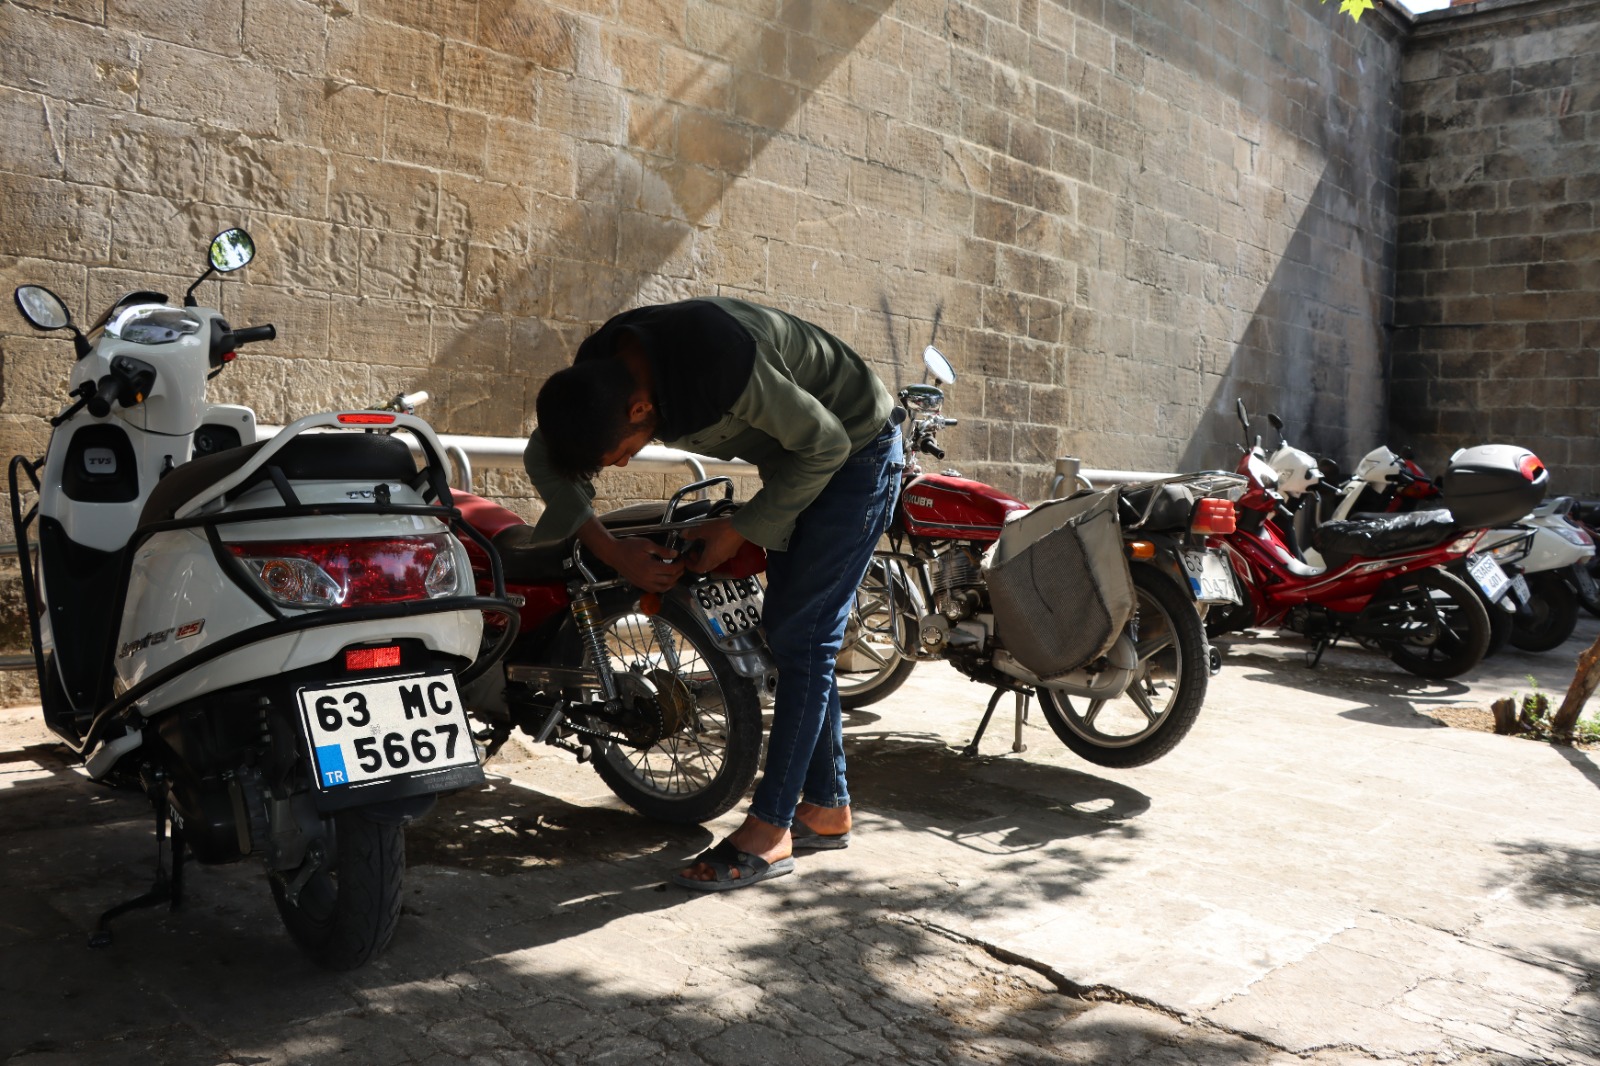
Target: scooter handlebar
(100,403)
(253,334)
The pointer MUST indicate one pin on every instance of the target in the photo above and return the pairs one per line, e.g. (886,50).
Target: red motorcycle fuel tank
(953,508)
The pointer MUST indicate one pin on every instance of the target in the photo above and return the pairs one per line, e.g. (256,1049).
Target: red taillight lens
(365,418)
(1531,467)
(1213,518)
(349,573)
(372,658)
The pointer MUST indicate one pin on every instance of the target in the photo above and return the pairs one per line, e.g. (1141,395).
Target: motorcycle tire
(1500,623)
(1174,663)
(702,766)
(1553,614)
(347,912)
(869,668)
(1462,616)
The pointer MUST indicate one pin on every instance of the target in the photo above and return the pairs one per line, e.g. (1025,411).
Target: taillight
(1213,518)
(350,573)
(1531,467)
(372,658)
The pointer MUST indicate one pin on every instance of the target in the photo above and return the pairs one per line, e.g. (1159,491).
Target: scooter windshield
(152,325)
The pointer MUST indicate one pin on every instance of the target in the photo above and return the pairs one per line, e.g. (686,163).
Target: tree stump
(1584,683)
(1505,716)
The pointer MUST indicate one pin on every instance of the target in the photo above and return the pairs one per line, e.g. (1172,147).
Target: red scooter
(1384,584)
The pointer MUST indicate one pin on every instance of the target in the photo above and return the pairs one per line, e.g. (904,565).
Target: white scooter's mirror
(231,249)
(938,365)
(42,308)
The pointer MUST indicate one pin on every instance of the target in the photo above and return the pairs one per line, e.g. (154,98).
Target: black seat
(528,561)
(1371,536)
(371,457)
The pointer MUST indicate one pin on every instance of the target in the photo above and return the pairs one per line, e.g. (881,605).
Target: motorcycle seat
(344,457)
(650,513)
(1388,534)
(527,560)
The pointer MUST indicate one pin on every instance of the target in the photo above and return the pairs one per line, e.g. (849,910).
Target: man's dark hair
(583,414)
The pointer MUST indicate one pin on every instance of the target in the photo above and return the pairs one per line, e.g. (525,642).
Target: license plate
(370,730)
(730,607)
(1490,578)
(1519,589)
(1210,577)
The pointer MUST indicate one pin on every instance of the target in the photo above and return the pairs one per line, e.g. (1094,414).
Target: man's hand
(642,562)
(719,541)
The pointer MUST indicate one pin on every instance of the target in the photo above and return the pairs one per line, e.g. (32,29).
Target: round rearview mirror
(938,365)
(231,249)
(42,308)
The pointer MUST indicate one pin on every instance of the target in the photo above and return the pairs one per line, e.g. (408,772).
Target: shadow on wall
(630,235)
(1304,359)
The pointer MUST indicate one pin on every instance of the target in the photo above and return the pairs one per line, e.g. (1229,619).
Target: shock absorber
(586,615)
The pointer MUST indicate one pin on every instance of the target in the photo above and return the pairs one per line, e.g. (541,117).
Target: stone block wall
(1497,308)
(1113,217)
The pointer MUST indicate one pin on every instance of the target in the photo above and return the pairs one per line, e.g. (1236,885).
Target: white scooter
(265,638)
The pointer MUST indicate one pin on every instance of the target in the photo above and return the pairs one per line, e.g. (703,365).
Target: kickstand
(167,889)
(1023,696)
(971,750)
(1314,656)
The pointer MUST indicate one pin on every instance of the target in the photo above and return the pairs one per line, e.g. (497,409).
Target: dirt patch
(1481,719)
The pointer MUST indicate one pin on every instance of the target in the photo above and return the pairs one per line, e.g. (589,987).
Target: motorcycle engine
(956,576)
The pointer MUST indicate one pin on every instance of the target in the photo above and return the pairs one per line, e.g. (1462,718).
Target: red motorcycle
(662,693)
(1107,633)
(1384,584)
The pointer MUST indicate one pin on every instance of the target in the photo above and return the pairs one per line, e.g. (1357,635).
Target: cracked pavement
(1318,874)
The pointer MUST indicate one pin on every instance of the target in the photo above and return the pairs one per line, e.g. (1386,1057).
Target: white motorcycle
(267,639)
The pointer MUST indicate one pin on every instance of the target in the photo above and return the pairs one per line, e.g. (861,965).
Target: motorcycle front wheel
(347,912)
(1553,613)
(710,727)
(869,668)
(1441,628)
(1162,701)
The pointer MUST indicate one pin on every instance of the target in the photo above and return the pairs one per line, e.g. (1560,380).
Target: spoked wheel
(1162,701)
(347,911)
(1553,613)
(869,667)
(1441,628)
(702,752)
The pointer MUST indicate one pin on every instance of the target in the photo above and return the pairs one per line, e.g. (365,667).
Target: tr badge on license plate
(366,731)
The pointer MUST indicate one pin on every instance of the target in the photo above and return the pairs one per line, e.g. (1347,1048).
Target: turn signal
(1213,518)
(1141,549)
(1531,467)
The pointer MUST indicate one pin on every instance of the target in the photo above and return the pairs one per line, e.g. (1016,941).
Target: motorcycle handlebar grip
(252,334)
(952,422)
(415,399)
(100,403)
(933,449)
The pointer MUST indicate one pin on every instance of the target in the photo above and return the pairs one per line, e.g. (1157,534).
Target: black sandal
(724,859)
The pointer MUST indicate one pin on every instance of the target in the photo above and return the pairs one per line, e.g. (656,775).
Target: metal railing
(470,453)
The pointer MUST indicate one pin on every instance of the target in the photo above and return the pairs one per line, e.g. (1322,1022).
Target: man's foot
(820,828)
(754,837)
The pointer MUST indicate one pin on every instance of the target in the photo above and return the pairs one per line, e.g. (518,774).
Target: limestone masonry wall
(1498,290)
(1113,217)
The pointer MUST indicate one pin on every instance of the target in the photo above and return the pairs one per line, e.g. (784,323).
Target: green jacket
(810,402)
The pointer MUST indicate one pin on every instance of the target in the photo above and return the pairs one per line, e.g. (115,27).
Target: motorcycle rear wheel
(1458,640)
(1553,611)
(869,668)
(702,765)
(347,912)
(1163,700)
(1591,601)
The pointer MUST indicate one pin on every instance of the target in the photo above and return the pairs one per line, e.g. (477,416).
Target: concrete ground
(1320,873)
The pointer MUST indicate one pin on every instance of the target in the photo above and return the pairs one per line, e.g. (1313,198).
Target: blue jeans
(810,589)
